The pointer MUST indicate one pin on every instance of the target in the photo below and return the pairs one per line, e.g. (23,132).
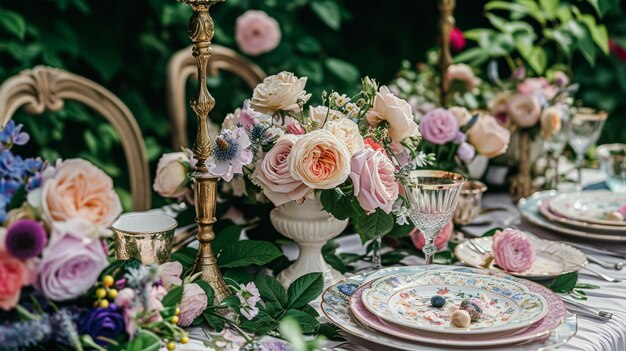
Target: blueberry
(438,301)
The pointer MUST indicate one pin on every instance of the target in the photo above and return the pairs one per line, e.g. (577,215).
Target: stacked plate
(391,307)
(584,215)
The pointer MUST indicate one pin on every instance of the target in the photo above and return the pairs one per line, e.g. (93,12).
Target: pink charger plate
(554,318)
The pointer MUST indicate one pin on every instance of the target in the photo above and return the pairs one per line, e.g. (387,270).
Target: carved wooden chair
(45,88)
(182,66)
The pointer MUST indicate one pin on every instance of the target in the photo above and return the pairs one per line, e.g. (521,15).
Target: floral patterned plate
(560,326)
(552,258)
(599,228)
(403,299)
(589,206)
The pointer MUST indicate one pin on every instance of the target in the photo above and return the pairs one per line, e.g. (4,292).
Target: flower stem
(235,326)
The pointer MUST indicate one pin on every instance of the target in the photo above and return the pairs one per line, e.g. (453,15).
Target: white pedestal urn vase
(310,227)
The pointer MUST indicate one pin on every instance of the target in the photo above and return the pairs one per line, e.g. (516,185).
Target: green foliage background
(125,46)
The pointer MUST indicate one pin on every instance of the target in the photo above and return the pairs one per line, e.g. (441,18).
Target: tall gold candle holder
(201,30)
(446,23)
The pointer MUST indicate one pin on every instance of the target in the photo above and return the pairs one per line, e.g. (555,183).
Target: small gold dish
(144,236)
(470,202)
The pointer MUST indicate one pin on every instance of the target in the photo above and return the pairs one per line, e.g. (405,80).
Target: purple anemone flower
(26,239)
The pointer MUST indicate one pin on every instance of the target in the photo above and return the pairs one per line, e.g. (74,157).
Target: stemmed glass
(583,131)
(433,196)
(554,144)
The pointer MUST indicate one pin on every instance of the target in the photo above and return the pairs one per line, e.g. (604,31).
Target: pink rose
(69,267)
(513,250)
(170,274)
(13,275)
(488,137)
(461,73)
(172,175)
(319,160)
(192,304)
(524,110)
(295,128)
(499,107)
(457,40)
(441,240)
(126,299)
(374,181)
(395,111)
(439,126)
(540,87)
(80,189)
(272,172)
(256,32)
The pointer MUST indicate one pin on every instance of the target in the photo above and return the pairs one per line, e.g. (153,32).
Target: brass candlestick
(446,23)
(201,30)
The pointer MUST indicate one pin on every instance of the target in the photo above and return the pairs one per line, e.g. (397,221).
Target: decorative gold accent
(45,88)
(132,240)
(201,31)
(182,66)
(521,183)
(470,202)
(446,23)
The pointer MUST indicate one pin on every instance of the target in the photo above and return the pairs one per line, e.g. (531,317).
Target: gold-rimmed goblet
(433,197)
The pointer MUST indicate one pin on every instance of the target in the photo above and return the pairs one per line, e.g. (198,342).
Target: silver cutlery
(587,310)
(609,265)
(595,249)
(601,275)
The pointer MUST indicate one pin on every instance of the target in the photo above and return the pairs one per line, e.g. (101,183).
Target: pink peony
(457,40)
(69,267)
(439,126)
(441,240)
(513,250)
(13,275)
(170,274)
(256,32)
(374,181)
(80,189)
(192,304)
(272,173)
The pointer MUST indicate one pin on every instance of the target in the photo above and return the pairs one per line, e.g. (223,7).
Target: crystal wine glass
(583,131)
(433,196)
(554,144)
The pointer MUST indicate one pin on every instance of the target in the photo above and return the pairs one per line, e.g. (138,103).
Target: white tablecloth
(592,334)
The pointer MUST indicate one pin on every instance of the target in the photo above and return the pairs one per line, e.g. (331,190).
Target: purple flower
(466,152)
(12,134)
(460,137)
(26,239)
(103,322)
(248,297)
(439,126)
(230,153)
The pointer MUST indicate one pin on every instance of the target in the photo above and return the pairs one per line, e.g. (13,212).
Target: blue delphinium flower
(12,135)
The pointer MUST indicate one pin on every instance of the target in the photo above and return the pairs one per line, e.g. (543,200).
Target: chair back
(46,88)
(182,65)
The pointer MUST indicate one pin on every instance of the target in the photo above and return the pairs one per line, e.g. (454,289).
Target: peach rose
(461,114)
(550,122)
(13,275)
(462,73)
(257,33)
(524,110)
(396,112)
(488,137)
(273,174)
(279,92)
(319,160)
(348,132)
(172,175)
(374,180)
(80,189)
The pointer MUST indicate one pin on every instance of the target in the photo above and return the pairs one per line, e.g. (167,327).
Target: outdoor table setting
(473,201)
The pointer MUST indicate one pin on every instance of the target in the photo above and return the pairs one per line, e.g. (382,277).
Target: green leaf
(330,331)
(173,297)
(599,33)
(262,324)
(338,203)
(248,252)
(374,225)
(271,290)
(213,321)
(13,23)
(144,341)
(226,237)
(305,289)
(328,11)
(549,7)
(491,232)
(470,55)
(307,322)
(564,283)
(535,56)
(343,70)
(18,198)
(186,256)
(208,290)
(478,33)
(312,69)
(308,45)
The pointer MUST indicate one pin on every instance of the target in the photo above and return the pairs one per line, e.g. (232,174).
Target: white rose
(279,92)
(397,112)
(488,137)
(524,110)
(319,160)
(171,178)
(348,132)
